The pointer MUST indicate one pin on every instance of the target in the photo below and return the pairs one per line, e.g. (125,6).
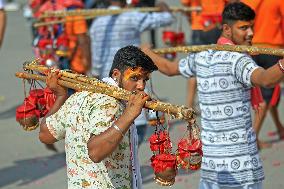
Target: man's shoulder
(228,55)
(92,97)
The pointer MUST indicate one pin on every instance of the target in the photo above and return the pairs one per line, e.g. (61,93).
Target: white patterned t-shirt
(229,143)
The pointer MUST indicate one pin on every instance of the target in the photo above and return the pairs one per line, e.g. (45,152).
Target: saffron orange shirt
(209,7)
(268,27)
(72,29)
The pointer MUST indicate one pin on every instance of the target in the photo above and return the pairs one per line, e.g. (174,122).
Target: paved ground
(25,163)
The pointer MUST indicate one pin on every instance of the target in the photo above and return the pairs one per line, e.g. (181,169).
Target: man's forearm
(165,66)
(270,77)
(102,145)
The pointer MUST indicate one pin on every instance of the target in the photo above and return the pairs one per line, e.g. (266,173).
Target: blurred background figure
(70,37)
(2,22)
(268,32)
(94,4)
(147,3)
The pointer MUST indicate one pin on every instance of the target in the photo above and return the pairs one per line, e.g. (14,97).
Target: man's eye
(244,28)
(147,79)
(134,78)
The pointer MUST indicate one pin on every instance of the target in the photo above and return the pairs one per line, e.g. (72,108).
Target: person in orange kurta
(79,41)
(268,32)
(79,44)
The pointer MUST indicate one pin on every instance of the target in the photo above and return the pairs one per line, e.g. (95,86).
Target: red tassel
(256,97)
(275,95)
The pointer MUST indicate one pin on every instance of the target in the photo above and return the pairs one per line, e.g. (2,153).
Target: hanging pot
(180,38)
(27,115)
(165,169)
(190,153)
(169,37)
(49,97)
(160,142)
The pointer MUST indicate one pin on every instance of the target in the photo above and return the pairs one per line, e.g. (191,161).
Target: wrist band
(118,129)
(281,67)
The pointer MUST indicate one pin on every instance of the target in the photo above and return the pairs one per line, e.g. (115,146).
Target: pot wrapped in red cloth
(37,97)
(165,168)
(27,115)
(160,142)
(169,37)
(180,38)
(49,97)
(190,153)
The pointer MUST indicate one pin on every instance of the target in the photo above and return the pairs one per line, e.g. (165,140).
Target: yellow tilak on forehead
(138,72)
(243,23)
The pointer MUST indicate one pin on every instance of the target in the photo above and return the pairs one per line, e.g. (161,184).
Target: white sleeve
(147,21)
(243,68)
(187,66)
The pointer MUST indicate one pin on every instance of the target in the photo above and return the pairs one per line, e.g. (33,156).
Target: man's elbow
(45,136)
(94,154)
(44,139)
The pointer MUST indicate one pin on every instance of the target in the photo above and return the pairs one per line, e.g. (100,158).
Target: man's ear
(227,31)
(116,74)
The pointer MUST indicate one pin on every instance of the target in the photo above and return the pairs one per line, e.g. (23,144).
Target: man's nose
(140,85)
(250,32)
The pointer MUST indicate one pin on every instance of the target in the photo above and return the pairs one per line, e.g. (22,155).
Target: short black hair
(237,11)
(132,57)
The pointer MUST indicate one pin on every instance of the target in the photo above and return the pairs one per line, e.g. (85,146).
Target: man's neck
(224,41)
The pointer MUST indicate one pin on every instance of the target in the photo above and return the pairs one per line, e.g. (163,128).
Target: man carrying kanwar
(100,137)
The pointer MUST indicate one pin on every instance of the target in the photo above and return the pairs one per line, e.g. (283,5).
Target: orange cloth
(72,29)
(195,16)
(209,8)
(268,28)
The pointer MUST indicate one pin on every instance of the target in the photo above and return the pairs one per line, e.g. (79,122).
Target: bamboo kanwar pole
(39,24)
(93,85)
(235,48)
(92,13)
(100,12)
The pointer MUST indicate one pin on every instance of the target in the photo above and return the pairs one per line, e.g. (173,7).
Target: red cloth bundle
(180,38)
(160,142)
(169,37)
(256,97)
(190,153)
(49,98)
(27,115)
(163,161)
(276,95)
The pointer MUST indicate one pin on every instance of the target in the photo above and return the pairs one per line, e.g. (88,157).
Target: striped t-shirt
(229,143)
